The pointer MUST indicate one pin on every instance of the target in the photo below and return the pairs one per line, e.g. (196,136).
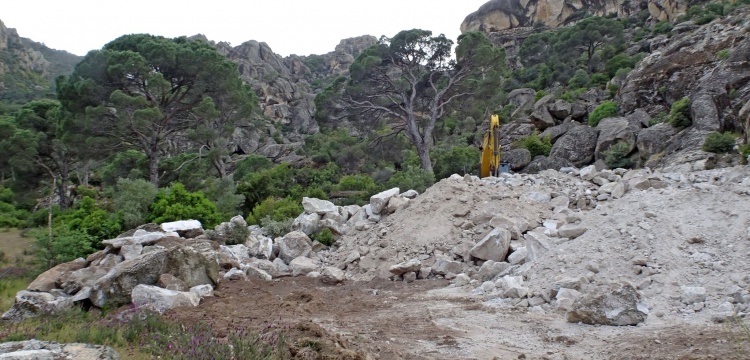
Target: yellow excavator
(490,164)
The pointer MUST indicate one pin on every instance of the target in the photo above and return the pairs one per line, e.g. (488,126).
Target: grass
(17,249)
(136,334)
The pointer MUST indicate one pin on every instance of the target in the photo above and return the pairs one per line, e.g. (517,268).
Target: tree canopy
(409,81)
(144,91)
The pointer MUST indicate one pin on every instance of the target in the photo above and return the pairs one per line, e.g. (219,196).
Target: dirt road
(427,320)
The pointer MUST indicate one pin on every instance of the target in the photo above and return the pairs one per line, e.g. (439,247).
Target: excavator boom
(490,161)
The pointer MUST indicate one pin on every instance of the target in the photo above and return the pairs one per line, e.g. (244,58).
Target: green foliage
(620,61)
(456,160)
(129,164)
(535,144)
(658,119)
(723,54)
(91,220)
(539,94)
(581,79)
(605,110)
(250,164)
(175,203)
(66,245)
(276,209)
(599,79)
(324,237)
(617,156)
(10,216)
(357,183)
(663,27)
(744,153)
(133,199)
(223,193)
(719,143)
(236,234)
(276,228)
(411,178)
(679,114)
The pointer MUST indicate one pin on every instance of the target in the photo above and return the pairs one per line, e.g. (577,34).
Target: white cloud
(288,26)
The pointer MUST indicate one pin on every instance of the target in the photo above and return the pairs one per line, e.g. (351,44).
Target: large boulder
(617,304)
(615,131)
(185,228)
(48,280)
(653,140)
(517,158)
(541,118)
(31,303)
(412,265)
(317,206)
(161,300)
(307,223)
(577,145)
(560,109)
(195,265)
(139,237)
(294,245)
(557,131)
(379,201)
(444,266)
(541,163)
(494,246)
(43,350)
(302,266)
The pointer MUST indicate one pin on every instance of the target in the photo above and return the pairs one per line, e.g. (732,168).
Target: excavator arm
(490,160)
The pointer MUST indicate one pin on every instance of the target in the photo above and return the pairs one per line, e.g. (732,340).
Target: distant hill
(28,69)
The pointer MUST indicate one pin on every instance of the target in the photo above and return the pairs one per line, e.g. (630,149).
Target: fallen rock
(185,228)
(235,275)
(566,297)
(294,245)
(202,291)
(332,276)
(443,266)
(307,223)
(693,294)
(317,206)
(379,201)
(618,304)
(162,300)
(31,303)
(490,269)
(257,273)
(302,266)
(494,246)
(405,267)
(43,350)
(48,279)
(571,231)
(171,282)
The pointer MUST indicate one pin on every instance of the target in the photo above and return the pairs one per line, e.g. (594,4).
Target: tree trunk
(153,168)
(424,156)
(62,188)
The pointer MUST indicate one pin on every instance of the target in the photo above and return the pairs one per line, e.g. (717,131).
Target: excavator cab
(490,158)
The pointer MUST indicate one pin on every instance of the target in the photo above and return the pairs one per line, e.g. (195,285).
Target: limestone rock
(257,273)
(44,350)
(332,276)
(293,245)
(31,303)
(577,145)
(317,206)
(162,300)
(571,231)
(48,279)
(518,257)
(517,159)
(185,228)
(235,275)
(494,246)
(171,282)
(617,304)
(443,266)
(307,223)
(202,291)
(566,297)
(412,265)
(302,266)
(490,269)
(693,294)
(379,201)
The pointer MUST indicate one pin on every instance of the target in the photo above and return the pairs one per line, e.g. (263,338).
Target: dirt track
(425,320)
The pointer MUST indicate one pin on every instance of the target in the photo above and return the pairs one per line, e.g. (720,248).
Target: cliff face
(500,15)
(28,68)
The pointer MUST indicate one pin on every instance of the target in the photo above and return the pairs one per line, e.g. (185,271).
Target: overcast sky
(288,26)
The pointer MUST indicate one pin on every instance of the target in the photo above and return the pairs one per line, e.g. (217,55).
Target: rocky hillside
(27,68)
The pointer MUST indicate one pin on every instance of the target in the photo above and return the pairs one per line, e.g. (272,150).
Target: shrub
(719,143)
(723,54)
(539,94)
(456,160)
(66,245)
(744,153)
(411,178)
(357,183)
(324,237)
(617,156)
(679,113)
(176,203)
(9,215)
(658,119)
(236,234)
(535,144)
(276,228)
(133,199)
(88,218)
(276,209)
(663,27)
(605,110)
(251,164)
(223,192)
(599,79)
(580,79)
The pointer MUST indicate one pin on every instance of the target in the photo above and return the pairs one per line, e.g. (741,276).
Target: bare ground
(382,319)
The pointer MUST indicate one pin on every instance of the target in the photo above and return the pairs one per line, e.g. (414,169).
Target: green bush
(606,109)
(276,228)
(236,234)
(663,27)
(251,164)
(133,198)
(539,94)
(719,143)
(357,183)
(88,218)
(599,79)
(411,178)
(658,119)
(456,160)
(617,156)
(679,113)
(66,245)
(175,203)
(10,216)
(744,152)
(130,164)
(580,79)
(276,209)
(535,144)
(223,193)
(723,54)
(324,237)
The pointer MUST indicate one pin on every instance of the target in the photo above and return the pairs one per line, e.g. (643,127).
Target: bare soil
(383,319)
